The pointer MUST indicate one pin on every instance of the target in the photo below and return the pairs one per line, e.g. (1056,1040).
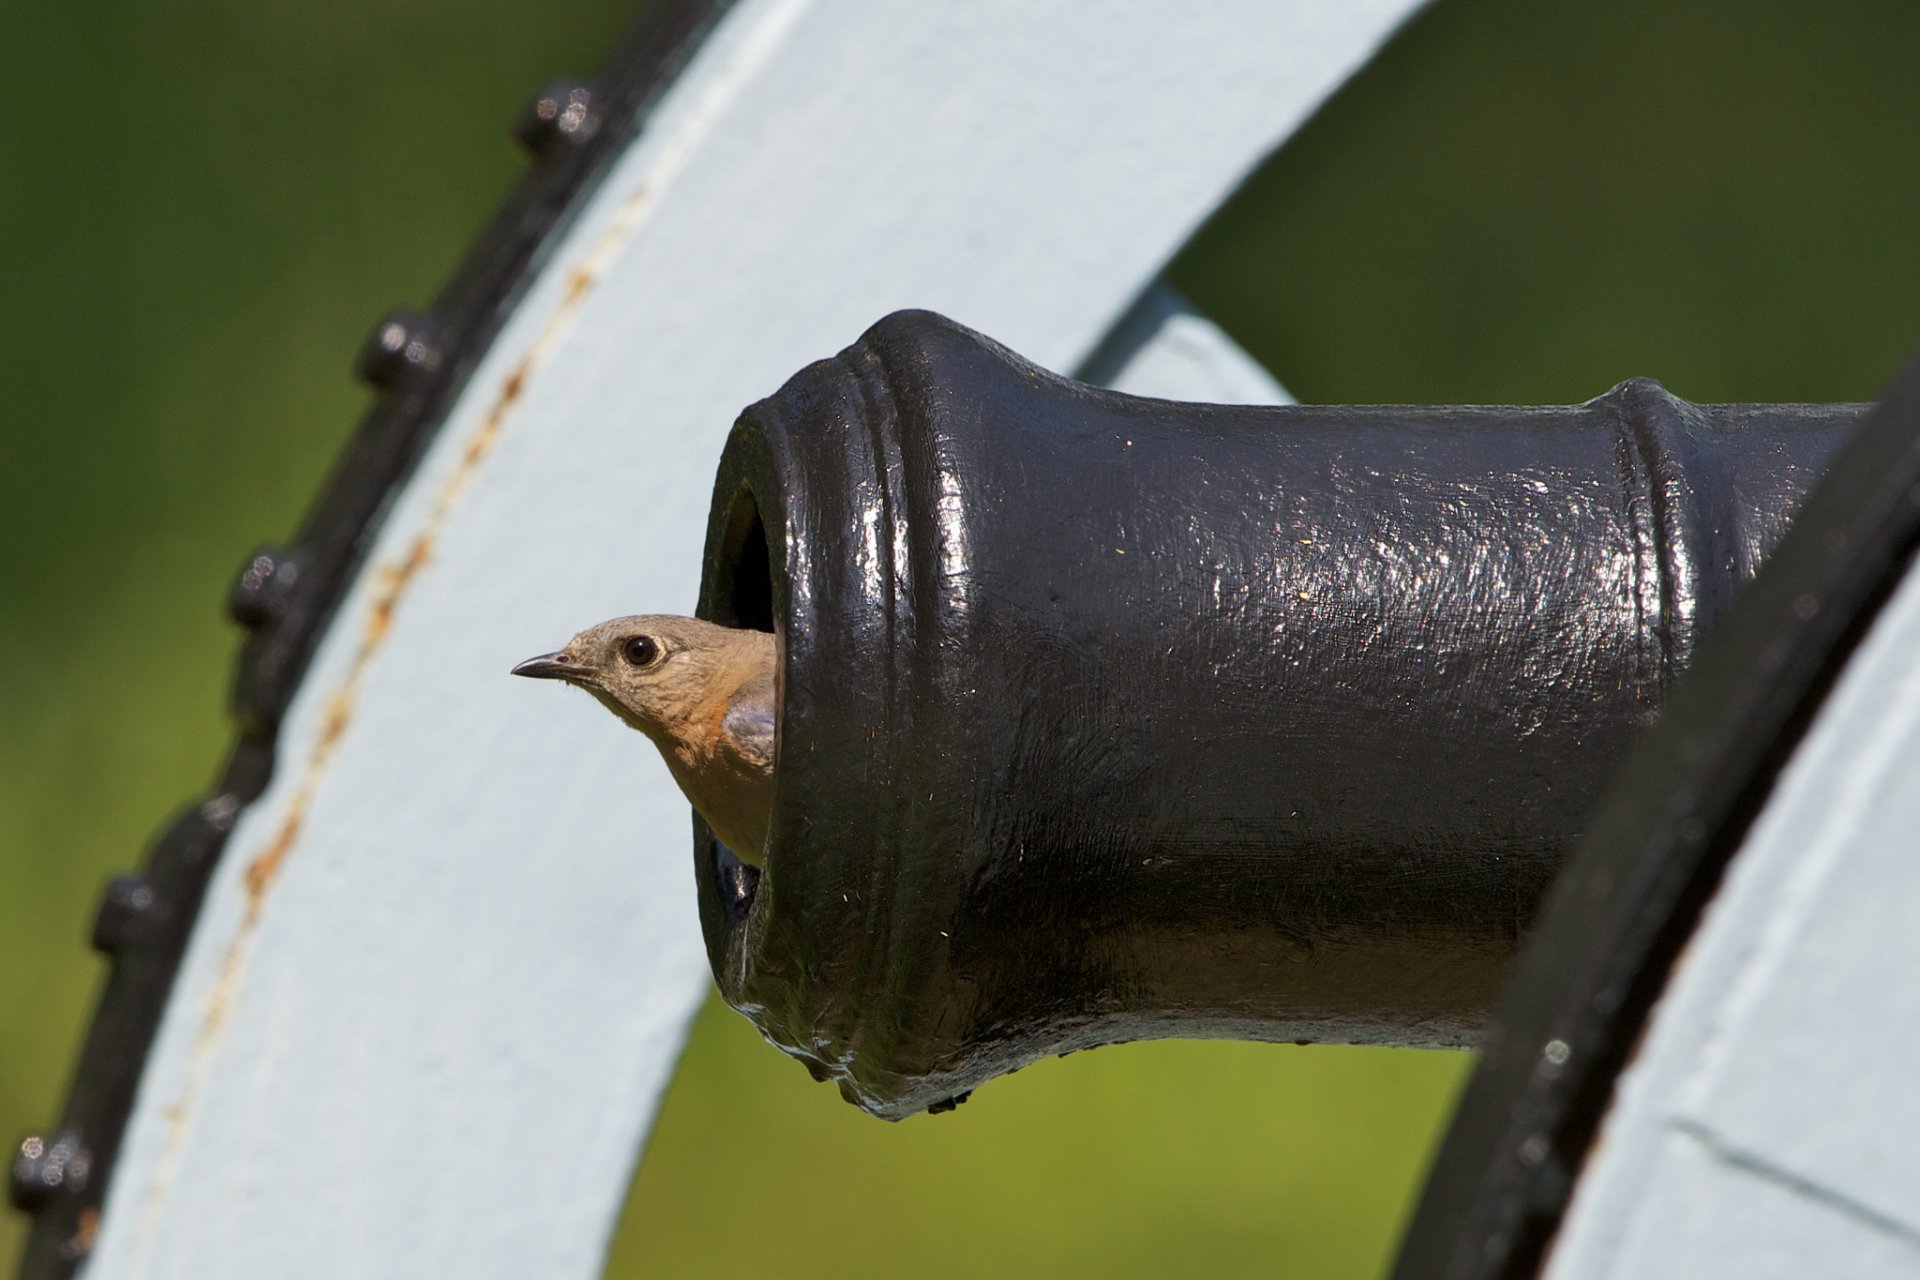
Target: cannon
(1106,718)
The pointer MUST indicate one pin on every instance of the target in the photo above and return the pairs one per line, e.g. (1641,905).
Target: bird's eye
(640,650)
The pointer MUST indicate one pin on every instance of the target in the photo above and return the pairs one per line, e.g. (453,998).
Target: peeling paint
(80,1244)
(392,582)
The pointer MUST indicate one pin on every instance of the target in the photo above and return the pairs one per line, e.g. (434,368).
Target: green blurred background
(204,205)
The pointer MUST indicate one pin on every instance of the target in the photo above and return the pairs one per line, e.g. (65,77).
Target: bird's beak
(552,666)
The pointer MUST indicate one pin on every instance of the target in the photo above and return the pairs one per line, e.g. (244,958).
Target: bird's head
(653,670)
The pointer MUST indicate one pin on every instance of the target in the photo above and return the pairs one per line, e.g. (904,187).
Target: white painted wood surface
(446,966)
(1163,348)
(1770,1124)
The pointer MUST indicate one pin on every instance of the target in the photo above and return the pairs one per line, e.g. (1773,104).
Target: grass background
(204,205)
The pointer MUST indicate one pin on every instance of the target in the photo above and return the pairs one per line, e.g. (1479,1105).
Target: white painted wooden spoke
(1163,348)
(1767,1127)
(445,967)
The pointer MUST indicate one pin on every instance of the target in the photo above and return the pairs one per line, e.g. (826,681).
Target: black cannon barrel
(1106,718)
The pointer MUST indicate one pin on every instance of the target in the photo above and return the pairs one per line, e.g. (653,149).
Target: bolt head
(561,115)
(403,348)
(130,913)
(262,586)
(45,1168)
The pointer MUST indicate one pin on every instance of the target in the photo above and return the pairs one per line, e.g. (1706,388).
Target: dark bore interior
(747,591)
(743,598)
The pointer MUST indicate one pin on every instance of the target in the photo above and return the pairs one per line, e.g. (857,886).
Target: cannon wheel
(744,188)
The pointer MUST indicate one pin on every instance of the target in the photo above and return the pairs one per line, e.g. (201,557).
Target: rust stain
(263,870)
(516,383)
(391,582)
(85,1231)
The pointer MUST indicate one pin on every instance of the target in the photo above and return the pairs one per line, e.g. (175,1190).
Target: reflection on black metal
(285,596)
(1680,809)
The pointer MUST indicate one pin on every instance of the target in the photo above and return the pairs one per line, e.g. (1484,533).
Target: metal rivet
(404,346)
(263,585)
(562,114)
(47,1167)
(130,913)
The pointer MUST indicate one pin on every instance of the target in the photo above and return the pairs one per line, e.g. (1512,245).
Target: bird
(704,694)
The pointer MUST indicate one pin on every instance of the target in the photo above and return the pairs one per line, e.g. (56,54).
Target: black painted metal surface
(285,596)
(1679,811)
(1107,718)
